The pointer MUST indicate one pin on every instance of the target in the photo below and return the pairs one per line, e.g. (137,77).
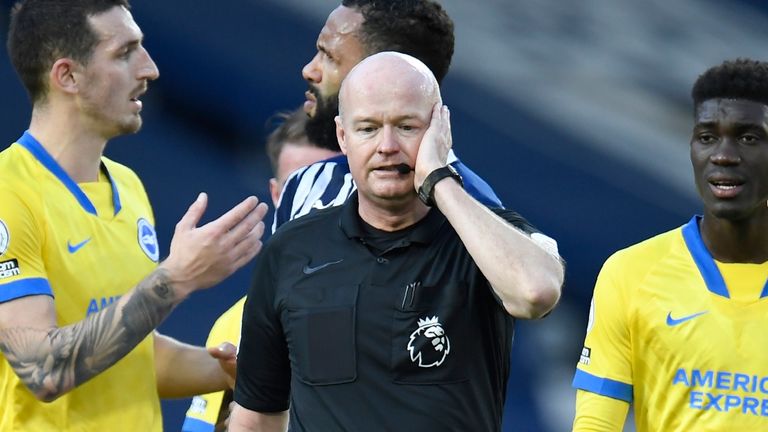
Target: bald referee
(398,313)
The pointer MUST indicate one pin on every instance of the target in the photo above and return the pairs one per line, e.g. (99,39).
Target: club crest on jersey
(148,239)
(429,345)
(5,237)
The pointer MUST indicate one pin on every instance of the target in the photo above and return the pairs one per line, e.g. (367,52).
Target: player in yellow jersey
(80,288)
(289,149)
(678,322)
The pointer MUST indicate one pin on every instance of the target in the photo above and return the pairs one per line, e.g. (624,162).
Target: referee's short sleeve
(263,369)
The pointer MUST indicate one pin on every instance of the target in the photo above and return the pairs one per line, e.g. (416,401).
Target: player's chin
(131,125)
(731,211)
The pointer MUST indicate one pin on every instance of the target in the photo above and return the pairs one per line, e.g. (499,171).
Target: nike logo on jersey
(673,322)
(309,270)
(76,247)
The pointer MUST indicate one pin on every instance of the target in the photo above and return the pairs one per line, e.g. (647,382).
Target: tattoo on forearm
(53,361)
(143,313)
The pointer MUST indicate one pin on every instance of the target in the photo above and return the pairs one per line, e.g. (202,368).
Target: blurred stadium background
(577,113)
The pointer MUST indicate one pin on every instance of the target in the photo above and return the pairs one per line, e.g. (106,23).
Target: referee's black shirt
(357,329)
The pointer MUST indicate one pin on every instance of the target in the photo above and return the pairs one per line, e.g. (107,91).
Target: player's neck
(74,147)
(743,241)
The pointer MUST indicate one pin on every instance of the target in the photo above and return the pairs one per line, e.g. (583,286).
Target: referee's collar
(424,231)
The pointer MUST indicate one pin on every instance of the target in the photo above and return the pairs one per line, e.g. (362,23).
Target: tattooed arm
(53,360)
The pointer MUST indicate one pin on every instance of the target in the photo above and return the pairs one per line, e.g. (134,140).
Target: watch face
(427,188)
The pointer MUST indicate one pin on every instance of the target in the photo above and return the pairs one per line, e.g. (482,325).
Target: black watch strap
(427,189)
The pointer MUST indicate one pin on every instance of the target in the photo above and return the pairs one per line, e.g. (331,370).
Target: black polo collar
(424,232)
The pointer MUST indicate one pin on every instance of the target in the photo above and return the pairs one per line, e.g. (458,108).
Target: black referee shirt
(356,338)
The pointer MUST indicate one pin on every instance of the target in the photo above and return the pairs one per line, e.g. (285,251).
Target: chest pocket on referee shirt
(321,334)
(430,335)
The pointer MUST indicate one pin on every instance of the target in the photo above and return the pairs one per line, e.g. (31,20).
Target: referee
(395,310)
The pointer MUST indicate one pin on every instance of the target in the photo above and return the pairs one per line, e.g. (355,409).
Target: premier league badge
(429,345)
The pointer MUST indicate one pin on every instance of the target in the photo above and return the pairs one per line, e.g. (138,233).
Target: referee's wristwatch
(427,189)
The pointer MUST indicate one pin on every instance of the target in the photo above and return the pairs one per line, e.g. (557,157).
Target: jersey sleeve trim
(602,386)
(24,288)
(196,425)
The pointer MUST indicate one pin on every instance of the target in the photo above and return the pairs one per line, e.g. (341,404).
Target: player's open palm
(201,257)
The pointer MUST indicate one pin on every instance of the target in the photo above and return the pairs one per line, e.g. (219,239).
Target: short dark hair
(420,28)
(291,129)
(43,31)
(742,78)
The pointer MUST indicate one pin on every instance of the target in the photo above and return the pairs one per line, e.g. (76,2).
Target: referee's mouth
(399,169)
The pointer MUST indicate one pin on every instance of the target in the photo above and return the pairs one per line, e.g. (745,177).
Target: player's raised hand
(201,257)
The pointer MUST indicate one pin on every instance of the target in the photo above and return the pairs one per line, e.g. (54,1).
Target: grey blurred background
(577,113)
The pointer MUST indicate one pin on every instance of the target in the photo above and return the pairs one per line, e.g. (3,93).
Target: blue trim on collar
(38,151)
(703,259)
(116,204)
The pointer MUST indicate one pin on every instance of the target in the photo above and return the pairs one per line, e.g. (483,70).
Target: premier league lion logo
(429,344)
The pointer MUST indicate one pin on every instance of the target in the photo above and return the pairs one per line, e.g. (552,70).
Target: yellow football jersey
(85,245)
(680,336)
(203,413)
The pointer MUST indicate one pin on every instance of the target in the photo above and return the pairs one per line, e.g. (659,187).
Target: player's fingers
(193,214)
(262,210)
(251,221)
(249,241)
(230,219)
(224,351)
(246,250)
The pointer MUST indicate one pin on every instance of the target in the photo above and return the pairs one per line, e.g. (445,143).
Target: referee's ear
(340,134)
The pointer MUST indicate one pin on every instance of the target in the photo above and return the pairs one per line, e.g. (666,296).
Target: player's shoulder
(227,326)
(338,160)
(640,258)
(308,226)
(18,174)
(334,164)
(14,161)
(234,312)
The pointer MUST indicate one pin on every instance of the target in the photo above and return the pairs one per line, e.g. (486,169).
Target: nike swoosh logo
(673,322)
(76,247)
(309,270)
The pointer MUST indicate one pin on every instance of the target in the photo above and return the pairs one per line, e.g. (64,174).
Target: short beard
(321,129)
